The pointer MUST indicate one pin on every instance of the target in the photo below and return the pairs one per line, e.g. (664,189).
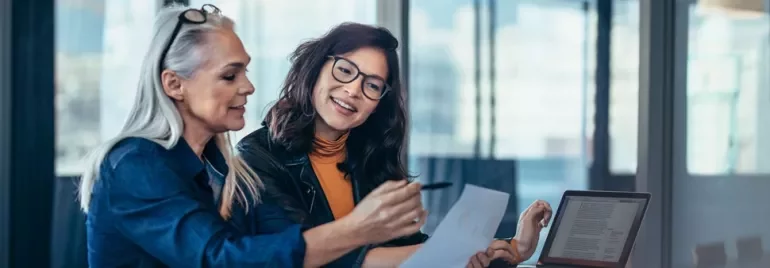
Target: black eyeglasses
(192,16)
(345,71)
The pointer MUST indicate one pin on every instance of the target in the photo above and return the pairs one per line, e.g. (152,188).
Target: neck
(195,133)
(197,138)
(324,131)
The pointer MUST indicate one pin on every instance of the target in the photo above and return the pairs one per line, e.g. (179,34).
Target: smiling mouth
(344,105)
(237,107)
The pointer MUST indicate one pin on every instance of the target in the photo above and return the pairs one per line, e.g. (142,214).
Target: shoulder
(267,159)
(129,149)
(259,138)
(134,161)
(257,151)
(260,153)
(141,167)
(263,157)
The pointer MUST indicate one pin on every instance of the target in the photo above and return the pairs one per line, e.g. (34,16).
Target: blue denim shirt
(153,207)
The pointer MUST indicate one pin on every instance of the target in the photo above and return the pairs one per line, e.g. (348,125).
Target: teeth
(344,105)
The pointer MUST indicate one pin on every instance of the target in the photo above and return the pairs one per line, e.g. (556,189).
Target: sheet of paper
(467,228)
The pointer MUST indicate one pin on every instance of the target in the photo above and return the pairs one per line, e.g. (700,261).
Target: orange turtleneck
(338,190)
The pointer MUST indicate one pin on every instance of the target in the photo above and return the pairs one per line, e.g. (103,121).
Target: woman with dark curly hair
(335,138)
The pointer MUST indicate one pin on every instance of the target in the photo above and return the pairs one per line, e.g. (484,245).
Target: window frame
(27,139)
(394,15)
(5,126)
(662,60)
(601,175)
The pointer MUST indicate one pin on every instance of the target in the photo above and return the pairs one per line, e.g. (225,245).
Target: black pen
(436,186)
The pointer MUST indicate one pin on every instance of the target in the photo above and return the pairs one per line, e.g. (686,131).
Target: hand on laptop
(531,222)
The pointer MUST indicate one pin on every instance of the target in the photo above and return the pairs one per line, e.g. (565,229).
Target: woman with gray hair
(169,191)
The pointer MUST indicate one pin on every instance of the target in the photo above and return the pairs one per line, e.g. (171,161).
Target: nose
(354,88)
(246,89)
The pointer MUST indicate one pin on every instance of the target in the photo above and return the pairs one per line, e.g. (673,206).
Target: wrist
(347,229)
(522,248)
(389,256)
(327,242)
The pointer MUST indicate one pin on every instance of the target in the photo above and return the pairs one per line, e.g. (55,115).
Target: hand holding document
(468,227)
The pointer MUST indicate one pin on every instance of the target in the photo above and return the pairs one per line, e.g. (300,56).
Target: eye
(374,87)
(230,77)
(345,70)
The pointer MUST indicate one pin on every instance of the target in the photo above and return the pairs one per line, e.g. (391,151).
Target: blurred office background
(530,97)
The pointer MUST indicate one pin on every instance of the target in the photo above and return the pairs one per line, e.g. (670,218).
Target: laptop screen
(595,231)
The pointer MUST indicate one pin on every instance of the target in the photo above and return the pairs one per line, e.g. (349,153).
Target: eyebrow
(238,64)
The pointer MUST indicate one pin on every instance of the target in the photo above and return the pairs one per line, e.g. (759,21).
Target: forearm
(388,256)
(328,242)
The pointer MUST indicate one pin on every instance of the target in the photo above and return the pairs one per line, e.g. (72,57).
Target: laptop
(595,229)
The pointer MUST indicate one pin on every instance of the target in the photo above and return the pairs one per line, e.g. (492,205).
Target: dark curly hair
(376,145)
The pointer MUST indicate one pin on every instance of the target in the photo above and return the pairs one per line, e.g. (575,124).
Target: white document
(468,227)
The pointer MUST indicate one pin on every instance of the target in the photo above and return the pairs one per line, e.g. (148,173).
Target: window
(728,100)
(543,62)
(721,115)
(624,86)
(100,42)
(97,46)
(441,78)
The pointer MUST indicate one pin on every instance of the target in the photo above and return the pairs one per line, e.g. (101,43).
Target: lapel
(310,190)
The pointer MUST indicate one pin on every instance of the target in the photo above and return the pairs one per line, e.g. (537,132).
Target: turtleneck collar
(332,150)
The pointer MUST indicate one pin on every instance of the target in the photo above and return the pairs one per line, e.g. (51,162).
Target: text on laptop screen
(595,229)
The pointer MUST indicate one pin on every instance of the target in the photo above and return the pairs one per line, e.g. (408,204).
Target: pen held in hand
(436,186)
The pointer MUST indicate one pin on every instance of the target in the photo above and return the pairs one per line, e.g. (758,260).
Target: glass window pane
(97,68)
(723,114)
(624,86)
(97,43)
(727,93)
(542,60)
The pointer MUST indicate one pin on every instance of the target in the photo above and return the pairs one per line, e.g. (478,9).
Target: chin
(339,128)
(338,124)
(235,125)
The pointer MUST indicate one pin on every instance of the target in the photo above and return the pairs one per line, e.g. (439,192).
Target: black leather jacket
(291,183)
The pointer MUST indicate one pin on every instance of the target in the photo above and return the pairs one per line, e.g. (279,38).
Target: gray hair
(154,116)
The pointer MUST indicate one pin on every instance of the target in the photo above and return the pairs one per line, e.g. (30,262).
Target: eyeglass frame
(360,73)
(182,19)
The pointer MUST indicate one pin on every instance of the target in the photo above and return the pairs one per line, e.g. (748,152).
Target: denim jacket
(153,207)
